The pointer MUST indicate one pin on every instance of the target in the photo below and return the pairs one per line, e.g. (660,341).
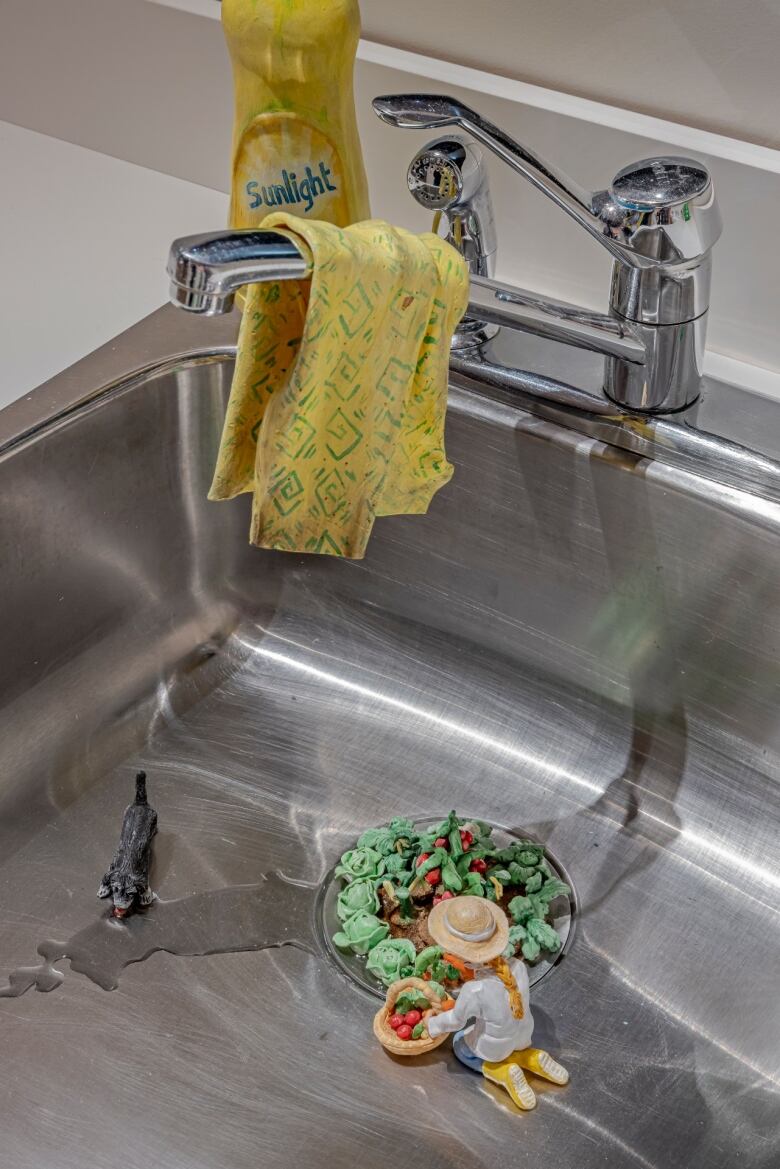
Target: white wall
(705,63)
(151,84)
(709,63)
(543,249)
(146,83)
(85,239)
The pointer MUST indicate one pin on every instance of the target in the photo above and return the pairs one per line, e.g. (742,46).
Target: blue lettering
(251,189)
(325,171)
(314,180)
(290,190)
(291,198)
(306,195)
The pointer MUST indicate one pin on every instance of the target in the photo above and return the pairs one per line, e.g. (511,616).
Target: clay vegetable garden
(395,874)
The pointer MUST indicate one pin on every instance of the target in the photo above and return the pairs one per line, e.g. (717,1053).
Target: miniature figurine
(127,880)
(491,1017)
(394,875)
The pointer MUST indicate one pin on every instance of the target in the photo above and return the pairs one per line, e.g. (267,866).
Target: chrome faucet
(658,220)
(660,241)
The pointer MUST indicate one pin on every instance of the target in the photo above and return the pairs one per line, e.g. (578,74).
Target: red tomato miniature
(433,877)
(440,842)
(445,896)
(396,1021)
(423,857)
(478,865)
(466,838)
(404,1031)
(412,1018)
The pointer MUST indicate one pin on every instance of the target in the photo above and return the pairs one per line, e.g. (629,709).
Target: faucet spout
(504,304)
(206,270)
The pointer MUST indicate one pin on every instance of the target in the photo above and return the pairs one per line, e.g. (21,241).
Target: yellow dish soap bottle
(295,139)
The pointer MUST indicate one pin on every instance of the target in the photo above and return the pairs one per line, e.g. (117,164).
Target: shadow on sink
(572,641)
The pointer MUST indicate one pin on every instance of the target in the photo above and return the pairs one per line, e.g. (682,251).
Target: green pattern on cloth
(337,407)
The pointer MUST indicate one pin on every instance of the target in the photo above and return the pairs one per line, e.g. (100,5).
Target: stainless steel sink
(575,640)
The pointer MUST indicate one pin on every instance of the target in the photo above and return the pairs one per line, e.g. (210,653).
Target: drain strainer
(561,914)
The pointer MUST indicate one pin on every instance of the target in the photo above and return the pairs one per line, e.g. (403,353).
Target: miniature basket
(385,1033)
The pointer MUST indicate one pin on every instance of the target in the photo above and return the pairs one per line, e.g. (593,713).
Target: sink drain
(561,914)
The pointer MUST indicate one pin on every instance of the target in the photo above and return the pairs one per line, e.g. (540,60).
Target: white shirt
(495,1033)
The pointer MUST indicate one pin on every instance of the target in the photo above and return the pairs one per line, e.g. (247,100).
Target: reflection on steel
(577,639)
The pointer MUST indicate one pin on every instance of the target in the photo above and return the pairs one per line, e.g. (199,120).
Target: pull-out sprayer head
(448,177)
(439,173)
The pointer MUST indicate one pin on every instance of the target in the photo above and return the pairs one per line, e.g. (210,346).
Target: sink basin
(575,641)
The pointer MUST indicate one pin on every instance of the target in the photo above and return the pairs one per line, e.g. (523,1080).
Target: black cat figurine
(127,880)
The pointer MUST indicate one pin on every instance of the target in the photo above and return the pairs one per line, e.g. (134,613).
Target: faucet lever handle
(417,111)
(660,182)
(421,111)
(657,213)
(666,207)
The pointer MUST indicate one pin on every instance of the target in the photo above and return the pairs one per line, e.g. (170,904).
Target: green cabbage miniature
(390,959)
(388,861)
(358,897)
(361,932)
(359,862)
(381,840)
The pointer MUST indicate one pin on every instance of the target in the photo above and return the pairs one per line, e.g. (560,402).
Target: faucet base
(471,333)
(714,438)
(659,412)
(670,378)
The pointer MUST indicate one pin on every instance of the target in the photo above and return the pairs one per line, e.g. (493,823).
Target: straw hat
(470,928)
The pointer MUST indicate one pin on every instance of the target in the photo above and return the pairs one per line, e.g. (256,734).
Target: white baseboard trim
(595,112)
(735,372)
(717,365)
(480,81)
(210,8)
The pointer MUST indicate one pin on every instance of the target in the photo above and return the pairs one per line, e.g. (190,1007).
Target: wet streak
(274,912)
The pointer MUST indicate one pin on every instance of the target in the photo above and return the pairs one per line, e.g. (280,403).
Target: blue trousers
(464,1053)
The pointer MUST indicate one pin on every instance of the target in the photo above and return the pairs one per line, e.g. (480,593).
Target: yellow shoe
(509,1076)
(541,1063)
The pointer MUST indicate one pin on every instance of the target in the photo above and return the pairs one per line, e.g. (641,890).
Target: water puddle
(275,912)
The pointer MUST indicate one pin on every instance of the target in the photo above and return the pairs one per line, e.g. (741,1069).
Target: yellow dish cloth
(336,411)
